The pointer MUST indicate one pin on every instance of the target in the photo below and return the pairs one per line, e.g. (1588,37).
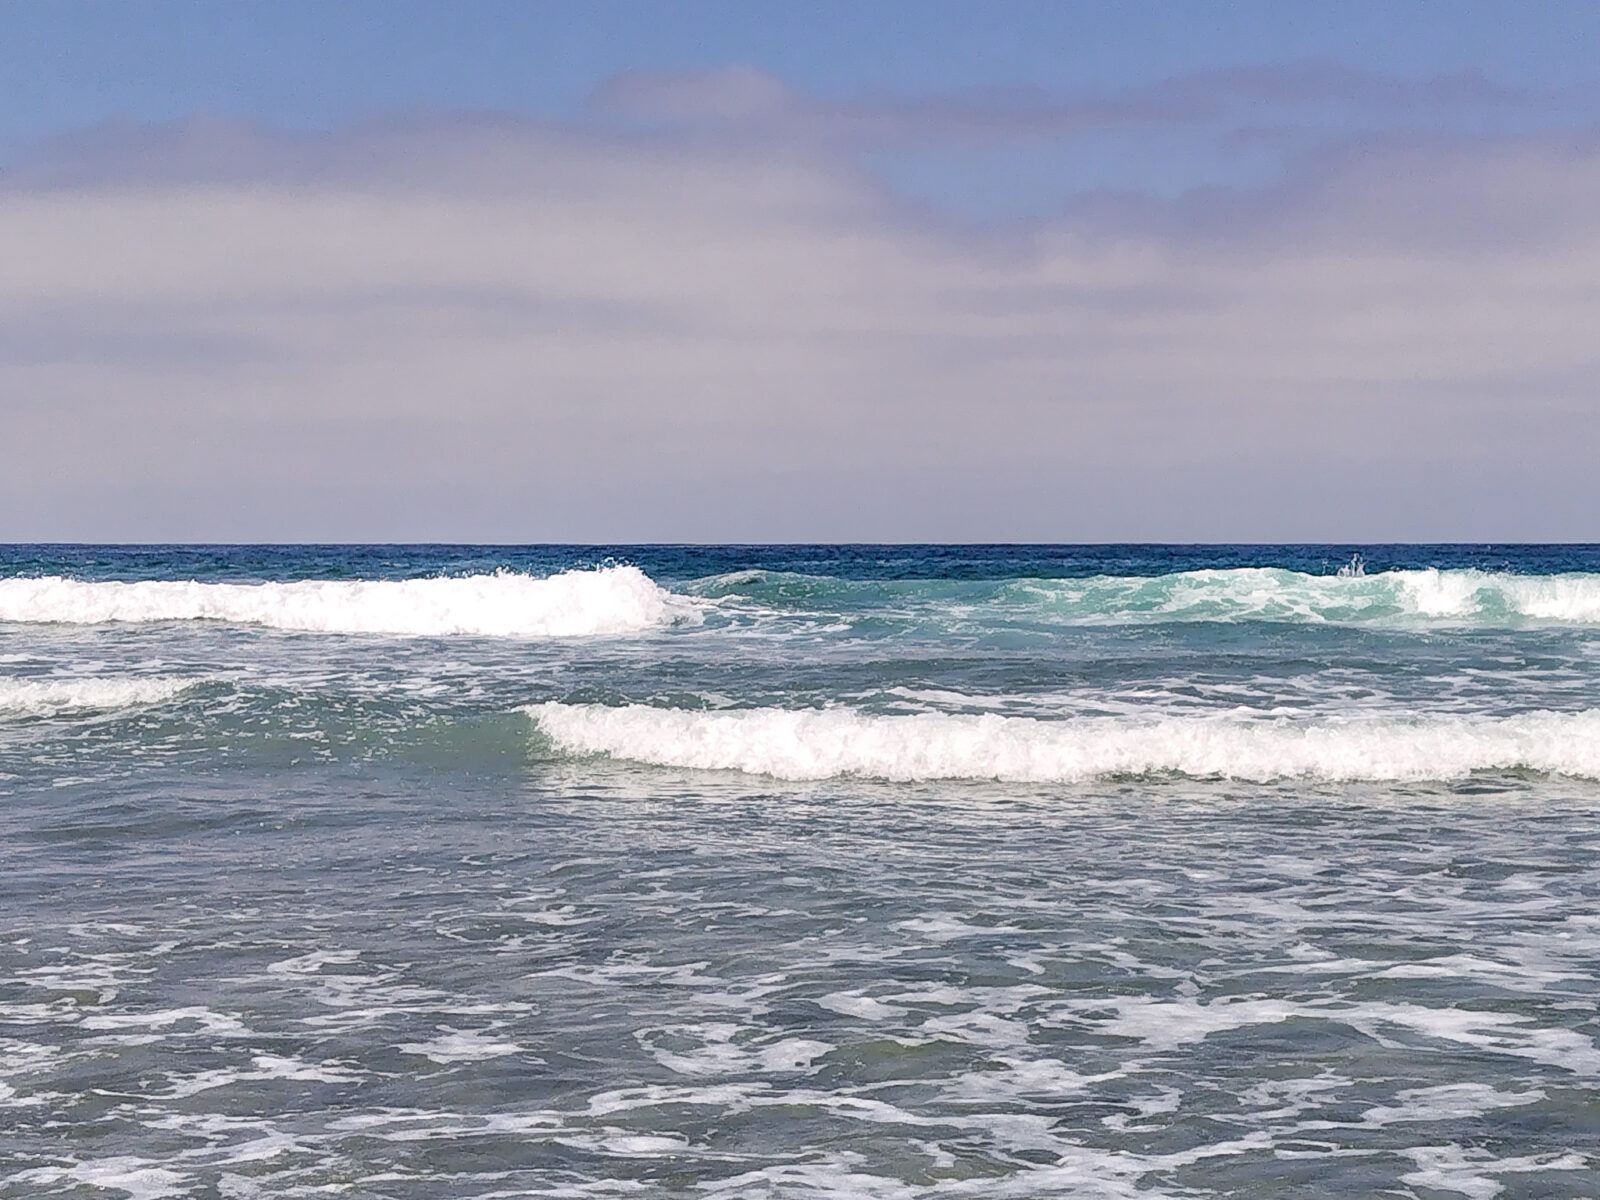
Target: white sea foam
(46,695)
(822,743)
(135,1178)
(1473,1172)
(1447,1102)
(1430,595)
(461,1045)
(263,1067)
(1434,593)
(609,600)
(719,1048)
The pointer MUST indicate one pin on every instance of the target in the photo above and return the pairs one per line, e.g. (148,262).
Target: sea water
(908,871)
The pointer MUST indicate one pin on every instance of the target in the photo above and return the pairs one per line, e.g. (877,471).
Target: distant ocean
(800,871)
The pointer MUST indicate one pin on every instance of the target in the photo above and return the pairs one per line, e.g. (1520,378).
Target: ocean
(800,871)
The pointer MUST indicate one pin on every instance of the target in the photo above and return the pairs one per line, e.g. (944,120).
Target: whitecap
(48,695)
(609,600)
(829,742)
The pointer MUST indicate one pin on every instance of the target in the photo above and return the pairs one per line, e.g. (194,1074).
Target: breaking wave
(39,697)
(828,742)
(609,600)
(1428,596)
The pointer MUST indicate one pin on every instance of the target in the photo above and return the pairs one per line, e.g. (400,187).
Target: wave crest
(40,697)
(830,742)
(1426,596)
(608,600)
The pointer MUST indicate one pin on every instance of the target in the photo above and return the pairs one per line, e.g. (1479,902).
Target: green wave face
(1423,597)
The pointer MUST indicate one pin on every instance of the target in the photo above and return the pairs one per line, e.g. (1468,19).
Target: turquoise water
(799,871)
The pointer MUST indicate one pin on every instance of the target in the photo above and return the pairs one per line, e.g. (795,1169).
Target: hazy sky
(657,272)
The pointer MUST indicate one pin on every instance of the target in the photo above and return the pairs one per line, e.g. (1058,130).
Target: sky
(624,272)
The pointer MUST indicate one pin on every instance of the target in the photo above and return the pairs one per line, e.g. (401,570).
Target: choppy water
(799,871)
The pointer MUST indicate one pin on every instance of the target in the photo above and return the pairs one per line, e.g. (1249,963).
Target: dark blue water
(677,563)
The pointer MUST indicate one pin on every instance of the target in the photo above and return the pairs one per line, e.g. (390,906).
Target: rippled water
(289,912)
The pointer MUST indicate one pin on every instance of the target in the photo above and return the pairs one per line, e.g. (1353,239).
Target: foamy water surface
(799,872)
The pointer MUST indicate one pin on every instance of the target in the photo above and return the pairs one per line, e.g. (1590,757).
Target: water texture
(799,871)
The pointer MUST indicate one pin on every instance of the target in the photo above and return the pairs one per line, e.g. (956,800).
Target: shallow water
(306,912)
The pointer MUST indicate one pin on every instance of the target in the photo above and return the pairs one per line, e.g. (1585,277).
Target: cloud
(739,98)
(487,328)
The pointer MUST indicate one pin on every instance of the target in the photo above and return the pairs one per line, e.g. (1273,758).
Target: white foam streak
(610,600)
(829,742)
(39,697)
